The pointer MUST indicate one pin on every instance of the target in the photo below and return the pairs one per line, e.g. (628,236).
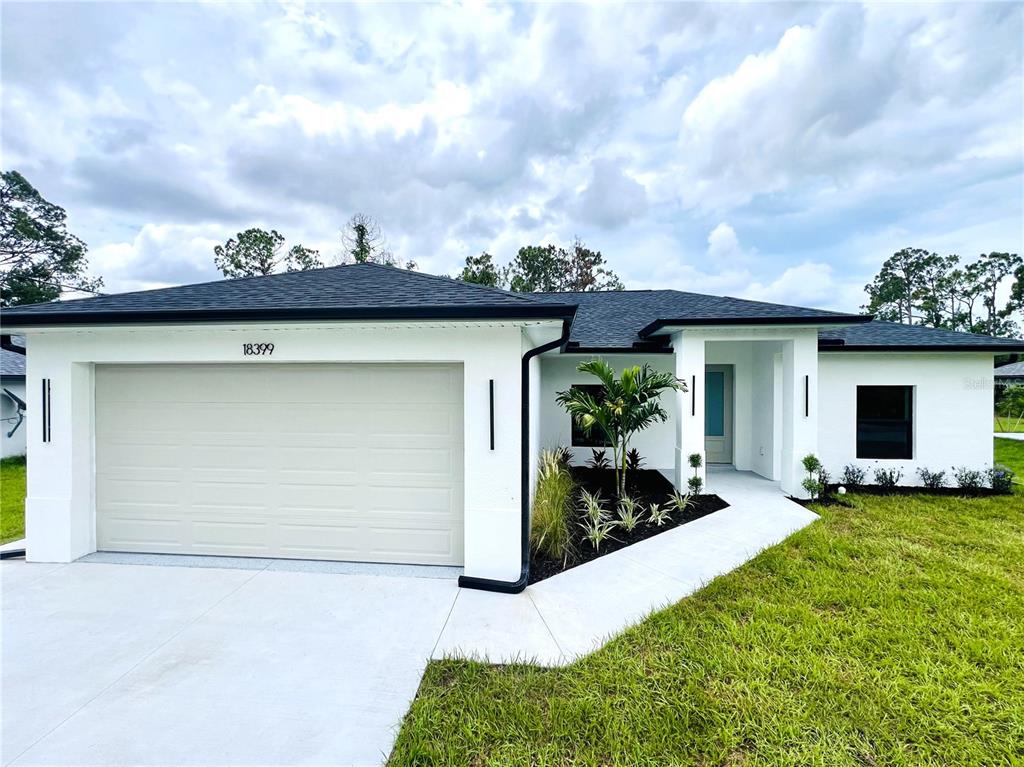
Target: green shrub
(1000,478)
(968,479)
(696,484)
(552,507)
(814,482)
(634,462)
(887,479)
(853,475)
(933,480)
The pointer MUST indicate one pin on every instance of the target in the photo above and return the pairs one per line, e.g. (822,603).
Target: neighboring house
(376,414)
(12,397)
(1010,375)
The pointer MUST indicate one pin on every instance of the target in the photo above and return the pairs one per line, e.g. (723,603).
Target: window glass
(885,427)
(714,403)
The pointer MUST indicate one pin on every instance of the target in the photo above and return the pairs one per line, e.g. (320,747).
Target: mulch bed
(646,486)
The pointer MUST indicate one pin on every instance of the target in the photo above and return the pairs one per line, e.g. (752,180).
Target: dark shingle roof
(624,319)
(604,321)
(357,291)
(893,336)
(1013,370)
(13,363)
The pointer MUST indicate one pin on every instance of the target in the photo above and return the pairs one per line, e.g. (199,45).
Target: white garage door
(348,462)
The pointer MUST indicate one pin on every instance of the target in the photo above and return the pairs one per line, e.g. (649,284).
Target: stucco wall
(952,408)
(60,504)
(558,372)
(14,445)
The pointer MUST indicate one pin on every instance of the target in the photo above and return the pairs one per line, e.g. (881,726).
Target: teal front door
(718,413)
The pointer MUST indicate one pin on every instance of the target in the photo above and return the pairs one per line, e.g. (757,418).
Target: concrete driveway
(134,664)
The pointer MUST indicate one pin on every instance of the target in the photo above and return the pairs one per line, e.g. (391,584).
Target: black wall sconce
(492,412)
(46,410)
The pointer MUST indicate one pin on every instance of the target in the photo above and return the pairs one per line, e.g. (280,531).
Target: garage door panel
(360,462)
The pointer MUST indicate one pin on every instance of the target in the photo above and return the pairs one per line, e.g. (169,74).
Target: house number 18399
(257,350)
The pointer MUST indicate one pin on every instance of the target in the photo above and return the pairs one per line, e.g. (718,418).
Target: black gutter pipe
(514,587)
(8,345)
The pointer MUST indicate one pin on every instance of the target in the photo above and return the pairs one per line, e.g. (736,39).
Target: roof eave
(839,319)
(179,316)
(986,348)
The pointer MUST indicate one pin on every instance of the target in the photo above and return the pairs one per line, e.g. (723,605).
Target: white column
(689,354)
(799,408)
(59,520)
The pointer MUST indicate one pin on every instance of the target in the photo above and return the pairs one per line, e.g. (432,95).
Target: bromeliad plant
(628,404)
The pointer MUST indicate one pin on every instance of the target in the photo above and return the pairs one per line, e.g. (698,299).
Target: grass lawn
(891,633)
(12,499)
(1008,426)
(1010,453)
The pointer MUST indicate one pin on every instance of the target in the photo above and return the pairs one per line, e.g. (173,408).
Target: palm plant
(629,404)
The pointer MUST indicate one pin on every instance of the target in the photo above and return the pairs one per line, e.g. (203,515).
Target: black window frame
(885,421)
(596,437)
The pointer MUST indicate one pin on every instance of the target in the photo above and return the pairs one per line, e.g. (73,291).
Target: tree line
(40,260)
(919,287)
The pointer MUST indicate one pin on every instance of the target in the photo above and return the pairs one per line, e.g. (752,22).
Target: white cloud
(702,147)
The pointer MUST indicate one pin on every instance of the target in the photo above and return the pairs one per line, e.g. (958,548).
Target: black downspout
(514,587)
(7,345)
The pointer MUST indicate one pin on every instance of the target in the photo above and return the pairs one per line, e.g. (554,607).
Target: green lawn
(1010,453)
(1008,426)
(12,499)
(891,633)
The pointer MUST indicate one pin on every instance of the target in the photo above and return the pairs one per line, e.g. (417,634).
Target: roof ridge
(462,283)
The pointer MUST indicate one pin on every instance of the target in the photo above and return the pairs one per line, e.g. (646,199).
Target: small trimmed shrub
(888,479)
(1000,479)
(597,531)
(552,507)
(658,515)
(591,506)
(968,479)
(599,460)
(681,501)
(812,482)
(695,483)
(633,460)
(853,475)
(629,514)
(933,480)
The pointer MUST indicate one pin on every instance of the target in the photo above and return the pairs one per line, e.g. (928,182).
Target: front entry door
(718,413)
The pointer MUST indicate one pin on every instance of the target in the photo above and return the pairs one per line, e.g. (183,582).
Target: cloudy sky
(771,151)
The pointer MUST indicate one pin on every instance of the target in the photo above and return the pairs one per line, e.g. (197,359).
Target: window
(596,437)
(885,421)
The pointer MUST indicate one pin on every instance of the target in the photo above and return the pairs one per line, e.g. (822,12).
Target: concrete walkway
(562,618)
(1011,435)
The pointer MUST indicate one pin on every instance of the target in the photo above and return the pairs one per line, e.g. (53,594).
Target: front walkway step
(582,608)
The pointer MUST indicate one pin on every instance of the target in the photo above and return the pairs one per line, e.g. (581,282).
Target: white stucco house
(13,417)
(369,413)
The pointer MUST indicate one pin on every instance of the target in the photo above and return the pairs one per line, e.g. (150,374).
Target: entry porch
(750,403)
